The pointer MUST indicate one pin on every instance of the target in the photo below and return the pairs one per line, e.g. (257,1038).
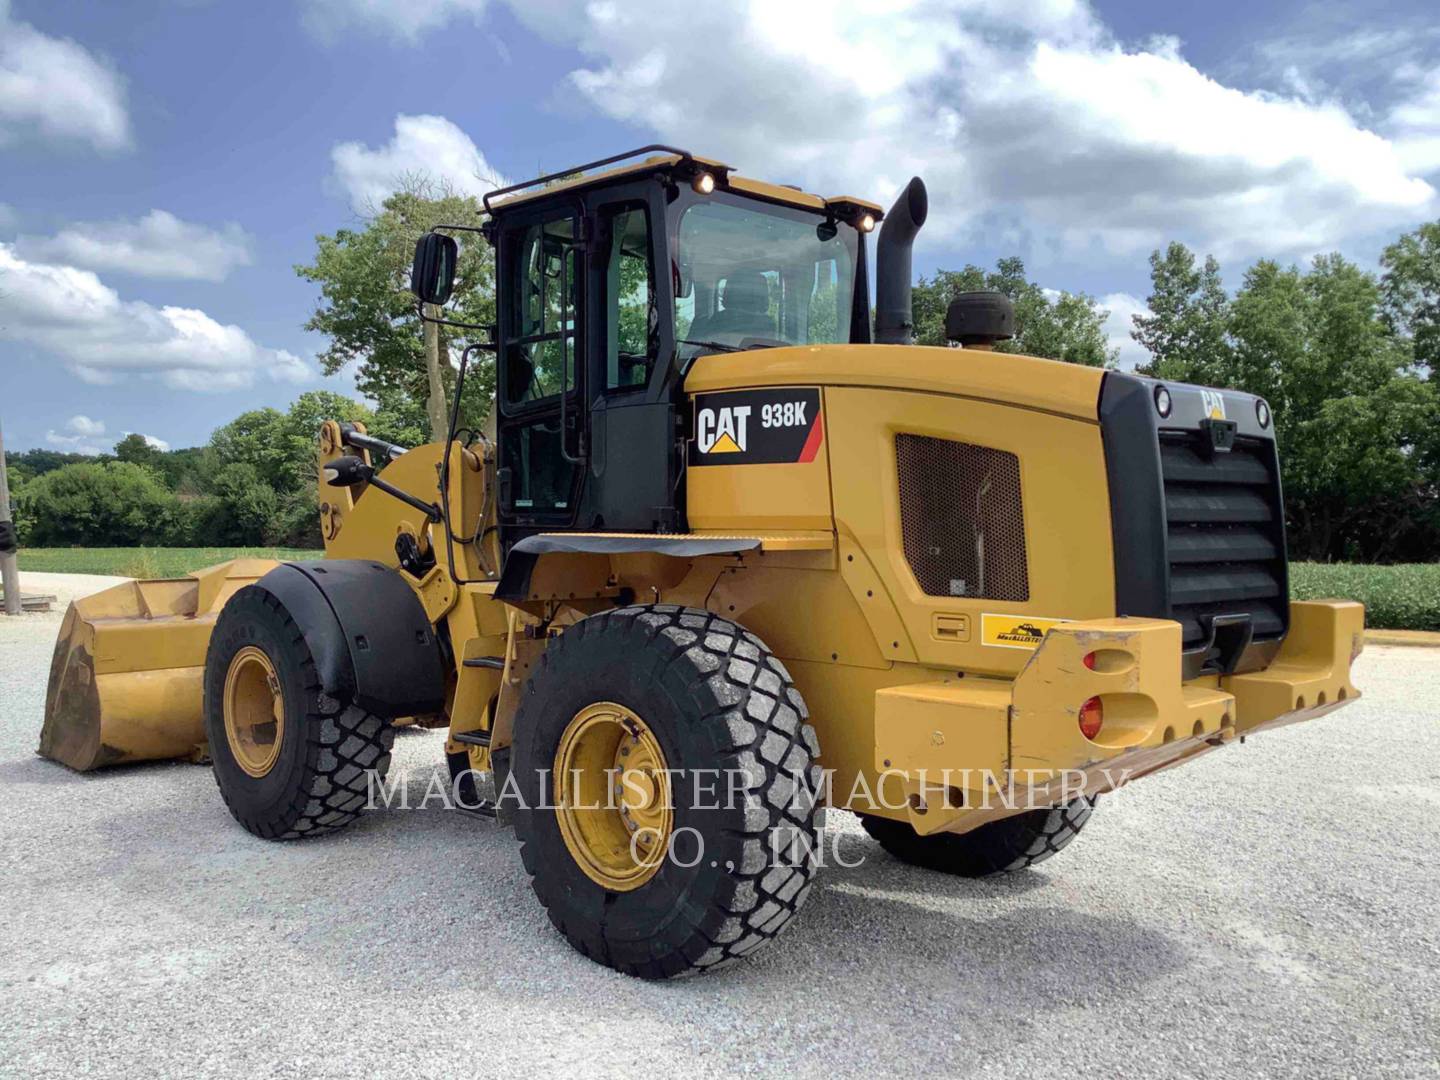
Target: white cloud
(1123,308)
(80,437)
(71,313)
(56,89)
(1416,121)
(81,424)
(327,18)
(1021,116)
(1131,148)
(158,245)
(422,145)
(74,444)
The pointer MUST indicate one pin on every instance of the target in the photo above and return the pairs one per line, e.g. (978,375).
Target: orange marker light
(1092,717)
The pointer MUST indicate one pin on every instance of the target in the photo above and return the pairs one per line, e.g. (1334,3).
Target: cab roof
(672,159)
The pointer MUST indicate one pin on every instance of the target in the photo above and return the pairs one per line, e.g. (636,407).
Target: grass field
(146,562)
(1403,597)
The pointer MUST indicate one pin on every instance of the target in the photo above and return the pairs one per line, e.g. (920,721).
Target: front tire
(289,760)
(714,844)
(999,847)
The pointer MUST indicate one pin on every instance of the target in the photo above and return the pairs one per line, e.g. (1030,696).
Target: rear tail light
(1092,716)
(1090,660)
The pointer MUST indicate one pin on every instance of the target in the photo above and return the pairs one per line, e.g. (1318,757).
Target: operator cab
(609,284)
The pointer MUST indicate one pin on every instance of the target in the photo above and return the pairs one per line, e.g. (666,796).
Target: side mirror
(432,275)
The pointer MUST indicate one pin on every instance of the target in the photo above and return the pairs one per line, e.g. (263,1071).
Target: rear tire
(704,698)
(999,847)
(317,778)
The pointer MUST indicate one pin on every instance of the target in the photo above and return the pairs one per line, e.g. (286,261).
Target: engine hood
(1008,378)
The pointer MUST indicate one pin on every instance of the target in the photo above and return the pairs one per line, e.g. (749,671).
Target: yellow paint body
(925,706)
(925,713)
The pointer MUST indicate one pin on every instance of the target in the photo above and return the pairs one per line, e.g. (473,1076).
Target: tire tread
(1006,846)
(746,701)
(343,743)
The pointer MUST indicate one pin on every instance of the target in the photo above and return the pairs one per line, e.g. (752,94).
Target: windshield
(749,275)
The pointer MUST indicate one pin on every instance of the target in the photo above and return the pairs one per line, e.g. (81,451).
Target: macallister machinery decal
(757,427)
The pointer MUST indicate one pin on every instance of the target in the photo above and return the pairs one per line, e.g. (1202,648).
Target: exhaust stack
(894,320)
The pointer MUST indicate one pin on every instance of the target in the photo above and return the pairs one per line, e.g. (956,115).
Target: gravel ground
(1269,910)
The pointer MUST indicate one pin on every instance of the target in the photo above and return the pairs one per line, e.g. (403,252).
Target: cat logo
(774,426)
(1214,404)
(1014,631)
(722,431)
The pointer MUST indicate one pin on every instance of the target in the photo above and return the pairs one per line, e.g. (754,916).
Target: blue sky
(165,163)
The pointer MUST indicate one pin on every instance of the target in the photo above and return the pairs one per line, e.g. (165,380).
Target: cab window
(540,350)
(541,480)
(749,275)
(632,320)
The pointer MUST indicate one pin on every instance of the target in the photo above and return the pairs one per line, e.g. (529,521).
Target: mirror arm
(492,344)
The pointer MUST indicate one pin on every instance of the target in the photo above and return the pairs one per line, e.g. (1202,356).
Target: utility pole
(9,569)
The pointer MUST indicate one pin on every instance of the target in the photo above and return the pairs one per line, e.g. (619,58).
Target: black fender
(367,632)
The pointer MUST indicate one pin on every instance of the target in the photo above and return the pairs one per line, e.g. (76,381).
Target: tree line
(1346,358)
(252,484)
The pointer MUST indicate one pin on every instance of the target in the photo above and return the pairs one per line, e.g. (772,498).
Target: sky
(165,164)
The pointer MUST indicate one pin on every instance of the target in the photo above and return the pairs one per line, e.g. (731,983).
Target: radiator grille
(1225,535)
(961,518)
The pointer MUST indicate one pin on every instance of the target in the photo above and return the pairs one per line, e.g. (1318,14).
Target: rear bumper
(966,751)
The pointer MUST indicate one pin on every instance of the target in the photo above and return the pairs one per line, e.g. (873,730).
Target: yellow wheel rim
(254,711)
(613,796)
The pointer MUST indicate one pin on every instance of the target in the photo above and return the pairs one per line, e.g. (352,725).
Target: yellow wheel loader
(733,554)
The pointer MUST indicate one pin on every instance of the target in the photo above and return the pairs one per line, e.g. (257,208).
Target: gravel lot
(1270,910)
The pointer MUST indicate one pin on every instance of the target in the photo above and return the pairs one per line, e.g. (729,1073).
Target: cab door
(541,369)
(633,451)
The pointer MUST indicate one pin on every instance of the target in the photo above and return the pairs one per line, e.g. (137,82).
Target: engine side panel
(1066,521)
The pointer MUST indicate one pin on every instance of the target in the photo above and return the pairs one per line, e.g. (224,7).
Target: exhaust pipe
(894,320)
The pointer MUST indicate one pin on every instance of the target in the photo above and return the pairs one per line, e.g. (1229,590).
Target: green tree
(258,438)
(1411,289)
(1354,418)
(135,449)
(1186,329)
(38,462)
(177,468)
(113,503)
(243,510)
(277,451)
(1351,414)
(367,311)
(299,432)
(1058,326)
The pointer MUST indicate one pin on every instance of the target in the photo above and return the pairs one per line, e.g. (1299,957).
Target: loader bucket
(126,683)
